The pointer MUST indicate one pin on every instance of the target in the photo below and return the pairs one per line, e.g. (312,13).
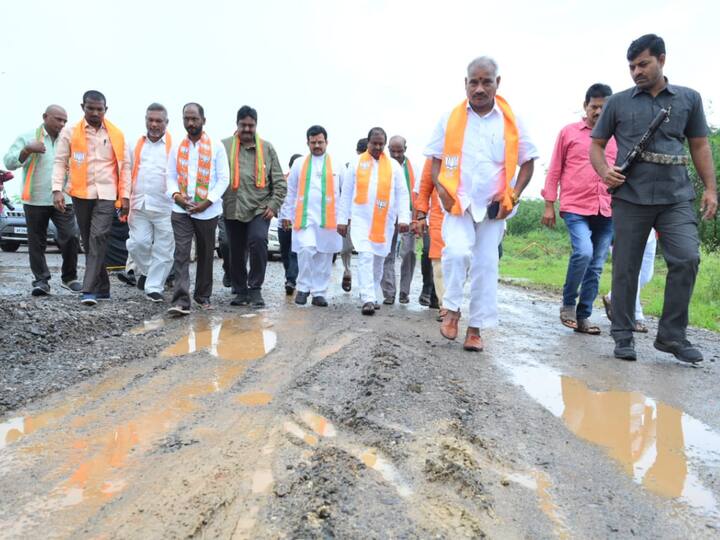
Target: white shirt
(219,177)
(362,214)
(314,235)
(149,191)
(482,168)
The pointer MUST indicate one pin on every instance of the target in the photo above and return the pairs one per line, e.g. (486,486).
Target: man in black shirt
(655,192)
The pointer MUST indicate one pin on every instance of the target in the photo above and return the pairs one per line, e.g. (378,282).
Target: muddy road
(304,422)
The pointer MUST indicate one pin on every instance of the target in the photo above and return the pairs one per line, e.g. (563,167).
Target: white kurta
(324,240)
(361,215)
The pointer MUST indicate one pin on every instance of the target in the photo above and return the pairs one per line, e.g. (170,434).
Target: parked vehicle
(273,240)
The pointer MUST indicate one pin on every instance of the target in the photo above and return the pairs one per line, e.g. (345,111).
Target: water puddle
(657,445)
(148,326)
(293,429)
(319,424)
(254,399)
(540,483)
(225,338)
(373,460)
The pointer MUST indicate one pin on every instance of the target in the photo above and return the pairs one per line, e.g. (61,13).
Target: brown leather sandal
(584,327)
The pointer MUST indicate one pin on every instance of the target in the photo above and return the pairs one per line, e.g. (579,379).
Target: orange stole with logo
(382,194)
(449,176)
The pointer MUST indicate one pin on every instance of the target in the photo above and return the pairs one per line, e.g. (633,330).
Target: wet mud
(303,422)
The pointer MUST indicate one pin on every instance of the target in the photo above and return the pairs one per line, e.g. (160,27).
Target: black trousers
(95,217)
(37,219)
(676,225)
(184,228)
(248,243)
(426,267)
(288,256)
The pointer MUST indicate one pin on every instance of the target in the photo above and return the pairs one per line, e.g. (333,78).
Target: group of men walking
(479,160)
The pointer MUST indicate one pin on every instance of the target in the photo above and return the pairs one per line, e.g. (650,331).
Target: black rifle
(640,146)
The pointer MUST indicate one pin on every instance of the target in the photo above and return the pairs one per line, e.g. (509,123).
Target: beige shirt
(102,170)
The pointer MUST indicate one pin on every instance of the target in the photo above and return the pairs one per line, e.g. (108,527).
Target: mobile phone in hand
(493,209)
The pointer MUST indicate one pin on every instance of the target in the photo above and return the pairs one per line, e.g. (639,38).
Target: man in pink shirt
(585,207)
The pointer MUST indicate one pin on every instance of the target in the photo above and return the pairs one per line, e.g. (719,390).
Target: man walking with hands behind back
(655,192)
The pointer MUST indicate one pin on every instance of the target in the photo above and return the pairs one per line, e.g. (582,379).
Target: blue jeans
(288,256)
(590,237)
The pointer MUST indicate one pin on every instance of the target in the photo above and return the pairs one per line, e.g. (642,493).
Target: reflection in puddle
(655,444)
(16,428)
(319,424)
(255,399)
(540,483)
(227,339)
(147,326)
(293,429)
(390,474)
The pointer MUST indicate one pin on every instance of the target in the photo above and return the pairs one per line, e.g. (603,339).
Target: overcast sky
(345,65)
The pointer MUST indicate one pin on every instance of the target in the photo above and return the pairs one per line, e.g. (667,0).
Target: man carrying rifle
(655,191)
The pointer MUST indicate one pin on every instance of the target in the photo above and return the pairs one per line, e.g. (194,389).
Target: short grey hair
(484,62)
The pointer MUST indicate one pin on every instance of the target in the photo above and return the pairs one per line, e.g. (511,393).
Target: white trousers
(647,269)
(314,270)
(471,251)
(369,276)
(151,245)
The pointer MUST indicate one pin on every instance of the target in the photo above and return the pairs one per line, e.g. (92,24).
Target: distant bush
(709,230)
(529,214)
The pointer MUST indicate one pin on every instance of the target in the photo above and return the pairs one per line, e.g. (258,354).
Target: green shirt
(41,192)
(249,201)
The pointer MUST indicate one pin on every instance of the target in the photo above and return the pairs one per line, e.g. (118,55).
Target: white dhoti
(369,275)
(151,245)
(471,251)
(314,270)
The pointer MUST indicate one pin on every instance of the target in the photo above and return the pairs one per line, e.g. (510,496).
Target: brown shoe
(473,342)
(449,325)
(441,313)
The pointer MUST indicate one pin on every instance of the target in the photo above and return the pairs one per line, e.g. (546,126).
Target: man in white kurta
(315,238)
(371,254)
(151,243)
(472,237)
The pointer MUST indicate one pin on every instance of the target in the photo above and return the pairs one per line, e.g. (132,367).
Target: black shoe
(376,306)
(625,349)
(40,289)
(141,282)
(368,308)
(388,301)
(155,297)
(226,281)
(319,301)
(682,350)
(404,298)
(128,278)
(289,288)
(434,303)
(424,299)
(73,285)
(241,299)
(301,298)
(256,299)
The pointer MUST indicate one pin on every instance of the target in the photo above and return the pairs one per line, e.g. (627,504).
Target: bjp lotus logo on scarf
(452,162)
(79,156)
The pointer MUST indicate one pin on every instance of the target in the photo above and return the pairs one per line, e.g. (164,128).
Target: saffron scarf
(138,152)
(202,182)
(449,176)
(79,158)
(382,195)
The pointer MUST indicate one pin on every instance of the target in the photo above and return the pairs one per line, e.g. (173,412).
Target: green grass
(539,259)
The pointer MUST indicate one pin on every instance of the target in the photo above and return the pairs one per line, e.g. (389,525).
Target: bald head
(397,147)
(54,119)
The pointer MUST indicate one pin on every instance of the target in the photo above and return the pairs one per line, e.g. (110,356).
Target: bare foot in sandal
(640,327)
(584,327)
(567,316)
